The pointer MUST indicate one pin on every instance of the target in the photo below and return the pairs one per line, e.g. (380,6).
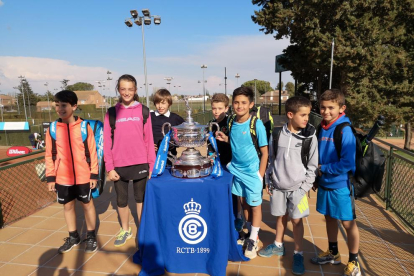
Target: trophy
(190,134)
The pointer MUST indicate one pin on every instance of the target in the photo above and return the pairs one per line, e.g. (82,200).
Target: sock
(353,257)
(254,233)
(298,252)
(279,244)
(74,234)
(333,246)
(90,233)
(248,225)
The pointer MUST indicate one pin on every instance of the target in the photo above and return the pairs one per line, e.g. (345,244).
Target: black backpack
(369,162)
(306,145)
(263,113)
(112,119)
(253,134)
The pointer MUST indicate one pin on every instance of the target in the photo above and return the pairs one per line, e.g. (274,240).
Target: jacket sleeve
(109,162)
(347,161)
(50,165)
(149,142)
(93,155)
(312,165)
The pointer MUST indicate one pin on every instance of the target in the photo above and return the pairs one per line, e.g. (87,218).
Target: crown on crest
(192,207)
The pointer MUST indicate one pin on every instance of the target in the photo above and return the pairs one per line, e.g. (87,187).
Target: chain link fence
(23,189)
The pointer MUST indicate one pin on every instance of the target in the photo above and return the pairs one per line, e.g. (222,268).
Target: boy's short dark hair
(220,98)
(162,95)
(293,104)
(245,91)
(66,96)
(334,95)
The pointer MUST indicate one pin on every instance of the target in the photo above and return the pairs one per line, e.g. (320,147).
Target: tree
(277,86)
(261,86)
(290,87)
(64,83)
(45,96)
(373,57)
(80,86)
(29,99)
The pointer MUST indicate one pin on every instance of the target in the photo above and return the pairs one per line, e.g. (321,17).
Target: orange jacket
(70,166)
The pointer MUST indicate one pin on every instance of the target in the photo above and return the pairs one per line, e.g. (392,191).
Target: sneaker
(298,266)
(251,248)
(122,237)
(352,269)
(243,237)
(70,242)
(326,258)
(91,244)
(271,250)
(239,223)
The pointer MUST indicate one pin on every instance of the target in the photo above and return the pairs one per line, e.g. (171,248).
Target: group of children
(288,167)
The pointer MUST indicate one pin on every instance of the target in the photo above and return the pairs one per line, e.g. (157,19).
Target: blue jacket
(334,170)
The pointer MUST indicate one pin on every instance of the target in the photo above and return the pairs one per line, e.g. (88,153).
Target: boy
(335,198)
(163,101)
(289,177)
(70,175)
(219,108)
(245,165)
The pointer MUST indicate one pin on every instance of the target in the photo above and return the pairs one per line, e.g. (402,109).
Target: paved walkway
(29,246)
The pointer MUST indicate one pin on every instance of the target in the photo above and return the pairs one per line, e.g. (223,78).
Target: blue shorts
(249,186)
(336,203)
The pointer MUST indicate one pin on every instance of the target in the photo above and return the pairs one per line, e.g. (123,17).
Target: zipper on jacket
(71,154)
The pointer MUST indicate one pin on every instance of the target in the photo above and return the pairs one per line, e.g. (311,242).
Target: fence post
(389,180)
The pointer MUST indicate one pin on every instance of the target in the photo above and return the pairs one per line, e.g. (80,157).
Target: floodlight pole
(48,103)
(24,102)
(204,89)
(332,55)
(145,63)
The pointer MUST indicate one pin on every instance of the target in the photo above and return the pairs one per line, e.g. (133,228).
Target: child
(129,153)
(245,165)
(70,176)
(35,140)
(163,101)
(289,178)
(219,108)
(335,199)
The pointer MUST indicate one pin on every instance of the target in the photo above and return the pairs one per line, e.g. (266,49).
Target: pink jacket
(133,142)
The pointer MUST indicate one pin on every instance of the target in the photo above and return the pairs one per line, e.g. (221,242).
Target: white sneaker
(251,248)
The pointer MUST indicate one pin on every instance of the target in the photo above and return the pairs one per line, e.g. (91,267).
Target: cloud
(249,56)
(252,57)
(38,71)
(1,3)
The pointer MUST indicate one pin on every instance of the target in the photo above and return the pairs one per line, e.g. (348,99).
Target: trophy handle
(162,128)
(210,127)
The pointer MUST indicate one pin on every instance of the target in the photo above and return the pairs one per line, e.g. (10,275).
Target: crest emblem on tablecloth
(192,227)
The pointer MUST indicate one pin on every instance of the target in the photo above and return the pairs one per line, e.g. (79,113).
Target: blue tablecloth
(187,226)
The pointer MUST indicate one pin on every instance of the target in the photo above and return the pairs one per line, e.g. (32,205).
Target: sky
(78,40)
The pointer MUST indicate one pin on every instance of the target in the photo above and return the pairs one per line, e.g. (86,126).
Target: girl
(129,151)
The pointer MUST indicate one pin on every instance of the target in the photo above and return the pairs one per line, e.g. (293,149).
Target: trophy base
(191,171)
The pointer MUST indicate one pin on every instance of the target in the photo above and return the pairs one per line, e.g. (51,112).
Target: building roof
(45,104)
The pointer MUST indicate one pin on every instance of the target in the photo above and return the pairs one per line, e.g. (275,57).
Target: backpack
(97,127)
(369,162)
(253,134)
(112,119)
(306,145)
(263,113)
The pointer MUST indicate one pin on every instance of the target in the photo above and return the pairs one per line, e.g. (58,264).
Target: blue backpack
(97,127)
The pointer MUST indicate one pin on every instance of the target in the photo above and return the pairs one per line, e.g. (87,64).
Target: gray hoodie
(286,172)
